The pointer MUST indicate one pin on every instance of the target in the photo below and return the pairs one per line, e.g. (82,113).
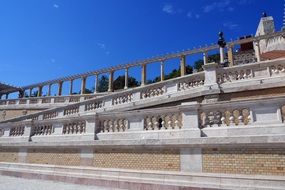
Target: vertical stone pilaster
(49,89)
(111,76)
(143,80)
(96,83)
(86,156)
(222,59)
(230,56)
(211,77)
(205,57)
(190,115)
(83,85)
(22,154)
(59,88)
(136,124)
(40,88)
(257,51)
(183,65)
(71,87)
(191,159)
(162,71)
(126,78)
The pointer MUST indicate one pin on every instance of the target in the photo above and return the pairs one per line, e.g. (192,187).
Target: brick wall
(138,159)
(68,157)
(244,161)
(8,155)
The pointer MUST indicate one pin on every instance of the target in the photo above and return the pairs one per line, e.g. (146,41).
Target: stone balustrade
(223,118)
(93,105)
(17,131)
(163,122)
(114,125)
(122,99)
(50,115)
(45,129)
(76,127)
(153,92)
(191,82)
(71,110)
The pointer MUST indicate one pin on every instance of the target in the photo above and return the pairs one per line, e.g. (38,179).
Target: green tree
(103,84)
(119,83)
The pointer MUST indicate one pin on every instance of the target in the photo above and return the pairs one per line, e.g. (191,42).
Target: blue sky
(47,39)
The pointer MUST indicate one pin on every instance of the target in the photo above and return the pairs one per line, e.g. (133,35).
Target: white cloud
(56,6)
(101,45)
(231,25)
(189,14)
(216,5)
(168,8)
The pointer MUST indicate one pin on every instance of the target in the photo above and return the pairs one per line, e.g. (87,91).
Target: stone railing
(49,100)
(193,119)
(225,117)
(175,88)
(192,82)
(17,131)
(76,127)
(45,129)
(163,122)
(71,110)
(122,99)
(115,125)
(50,115)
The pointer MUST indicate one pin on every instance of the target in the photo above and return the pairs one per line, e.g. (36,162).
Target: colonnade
(182,56)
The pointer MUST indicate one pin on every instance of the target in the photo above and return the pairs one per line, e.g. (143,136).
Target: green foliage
(119,83)
(103,84)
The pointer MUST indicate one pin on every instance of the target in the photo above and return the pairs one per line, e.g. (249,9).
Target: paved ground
(12,183)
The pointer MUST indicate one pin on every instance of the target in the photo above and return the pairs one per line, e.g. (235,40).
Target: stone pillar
(182,65)
(71,87)
(126,78)
(86,156)
(191,159)
(162,71)
(22,154)
(230,56)
(205,57)
(83,85)
(31,90)
(96,84)
(59,92)
(49,89)
(111,75)
(222,59)
(257,51)
(143,82)
(40,88)
(211,77)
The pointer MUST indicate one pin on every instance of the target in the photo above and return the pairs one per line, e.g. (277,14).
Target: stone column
(111,75)
(126,78)
(222,59)
(182,65)
(40,88)
(230,56)
(49,89)
(96,84)
(205,57)
(162,71)
(71,87)
(59,92)
(83,85)
(143,82)
(257,51)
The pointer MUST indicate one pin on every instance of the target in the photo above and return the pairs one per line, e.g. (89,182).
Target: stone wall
(138,159)
(68,157)
(8,114)
(244,161)
(8,155)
